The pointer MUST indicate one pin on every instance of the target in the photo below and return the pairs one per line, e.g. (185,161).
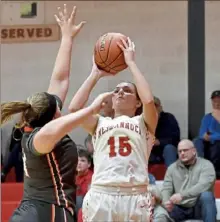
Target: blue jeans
(167,153)
(79,202)
(152,179)
(205,209)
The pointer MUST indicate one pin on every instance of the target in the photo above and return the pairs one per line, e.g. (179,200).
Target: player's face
(186,153)
(216,103)
(83,164)
(125,97)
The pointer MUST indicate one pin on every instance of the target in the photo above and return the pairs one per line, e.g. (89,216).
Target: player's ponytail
(36,111)
(9,109)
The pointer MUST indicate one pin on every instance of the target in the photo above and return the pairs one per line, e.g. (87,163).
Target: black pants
(14,160)
(204,209)
(39,211)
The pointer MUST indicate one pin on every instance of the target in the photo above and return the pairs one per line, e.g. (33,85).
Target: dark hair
(85,153)
(215,94)
(139,110)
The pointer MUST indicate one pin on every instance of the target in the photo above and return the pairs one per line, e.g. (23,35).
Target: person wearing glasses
(187,191)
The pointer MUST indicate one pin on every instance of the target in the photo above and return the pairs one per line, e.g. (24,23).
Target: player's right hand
(67,23)
(128,49)
(99,103)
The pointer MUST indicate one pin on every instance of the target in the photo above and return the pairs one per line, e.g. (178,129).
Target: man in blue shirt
(208,143)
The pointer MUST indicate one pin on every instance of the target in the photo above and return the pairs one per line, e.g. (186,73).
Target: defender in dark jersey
(49,155)
(48,186)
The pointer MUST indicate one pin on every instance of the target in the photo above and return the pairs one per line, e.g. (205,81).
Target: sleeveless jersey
(121,152)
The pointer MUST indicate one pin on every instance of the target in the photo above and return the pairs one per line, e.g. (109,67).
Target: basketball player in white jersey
(122,147)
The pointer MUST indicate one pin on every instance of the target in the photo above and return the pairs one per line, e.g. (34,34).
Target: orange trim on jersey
(28,129)
(53,213)
(53,178)
(58,172)
(64,212)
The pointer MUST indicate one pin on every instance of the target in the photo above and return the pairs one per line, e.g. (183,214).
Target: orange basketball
(108,55)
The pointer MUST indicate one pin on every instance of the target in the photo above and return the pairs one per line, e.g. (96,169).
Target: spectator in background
(208,143)
(84,176)
(167,137)
(188,186)
(15,156)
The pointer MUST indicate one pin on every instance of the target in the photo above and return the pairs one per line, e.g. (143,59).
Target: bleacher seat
(158,170)
(217,189)
(12,191)
(79,216)
(7,209)
(11,176)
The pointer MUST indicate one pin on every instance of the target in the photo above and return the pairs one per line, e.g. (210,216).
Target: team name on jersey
(129,126)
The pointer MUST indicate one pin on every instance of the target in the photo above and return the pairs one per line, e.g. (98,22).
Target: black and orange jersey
(50,177)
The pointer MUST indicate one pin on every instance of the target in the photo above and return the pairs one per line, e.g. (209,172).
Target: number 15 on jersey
(124,148)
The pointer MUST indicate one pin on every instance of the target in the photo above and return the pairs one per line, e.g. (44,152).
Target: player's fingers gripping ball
(108,55)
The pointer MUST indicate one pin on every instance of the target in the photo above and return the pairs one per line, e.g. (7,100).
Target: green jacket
(189,182)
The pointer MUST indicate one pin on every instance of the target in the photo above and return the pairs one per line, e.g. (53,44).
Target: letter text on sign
(29,33)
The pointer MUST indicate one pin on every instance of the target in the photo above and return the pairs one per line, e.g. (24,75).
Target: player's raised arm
(59,82)
(52,132)
(102,47)
(107,55)
(149,110)
(82,95)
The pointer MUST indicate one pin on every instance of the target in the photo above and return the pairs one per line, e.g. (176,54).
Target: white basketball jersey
(121,152)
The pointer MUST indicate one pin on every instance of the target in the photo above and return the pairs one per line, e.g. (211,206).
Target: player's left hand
(128,49)
(67,23)
(98,72)
(176,198)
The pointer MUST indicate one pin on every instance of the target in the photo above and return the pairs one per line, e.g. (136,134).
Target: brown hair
(139,110)
(86,154)
(30,110)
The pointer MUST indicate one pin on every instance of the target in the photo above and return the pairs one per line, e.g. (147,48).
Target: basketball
(107,54)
